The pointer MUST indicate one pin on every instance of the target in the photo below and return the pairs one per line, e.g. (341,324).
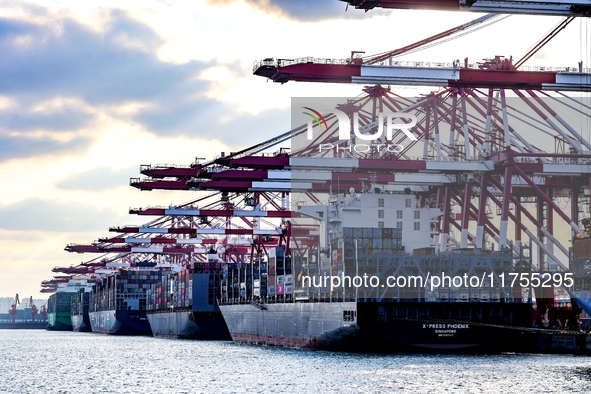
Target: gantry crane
(33,309)
(578,8)
(471,172)
(495,73)
(473,156)
(13,310)
(43,312)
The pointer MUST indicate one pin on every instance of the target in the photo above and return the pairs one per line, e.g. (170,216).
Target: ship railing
(164,166)
(150,207)
(125,225)
(269,62)
(182,207)
(260,301)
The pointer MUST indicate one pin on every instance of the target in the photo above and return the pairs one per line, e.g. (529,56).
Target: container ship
(79,310)
(61,302)
(117,303)
(184,304)
(59,316)
(581,266)
(269,303)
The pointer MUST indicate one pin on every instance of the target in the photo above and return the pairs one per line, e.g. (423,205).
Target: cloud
(66,119)
(102,71)
(101,68)
(97,179)
(14,147)
(216,120)
(307,10)
(53,216)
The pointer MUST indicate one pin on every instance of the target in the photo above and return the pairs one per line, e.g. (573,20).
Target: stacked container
(272,273)
(264,280)
(175,290)
(125,290)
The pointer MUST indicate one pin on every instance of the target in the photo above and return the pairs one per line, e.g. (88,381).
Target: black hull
(444,327)
(128,322)
(189,325)
(444,336)
(417,327)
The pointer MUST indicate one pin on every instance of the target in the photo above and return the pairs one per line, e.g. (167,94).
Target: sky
(90,90)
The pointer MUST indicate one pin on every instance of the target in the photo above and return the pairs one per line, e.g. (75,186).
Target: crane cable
(536,47)
(492,19)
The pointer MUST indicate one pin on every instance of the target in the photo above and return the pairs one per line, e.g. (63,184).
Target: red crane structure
(51,286)
(561,8)
(43,312)
(33,309)
(80,270)
(494,73)
(467,155)
(13,308)
(192,231)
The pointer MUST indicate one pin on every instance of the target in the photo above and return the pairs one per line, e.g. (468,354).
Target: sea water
(37,361)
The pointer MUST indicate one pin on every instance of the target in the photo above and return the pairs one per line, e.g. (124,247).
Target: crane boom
(425,74)
(496,73)
(577,8)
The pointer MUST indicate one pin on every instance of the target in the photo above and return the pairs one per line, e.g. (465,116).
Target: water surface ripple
(35,361)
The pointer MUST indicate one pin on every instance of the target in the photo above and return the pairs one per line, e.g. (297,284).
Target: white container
(431,296)
(496,297)
(464,296)
(484,296)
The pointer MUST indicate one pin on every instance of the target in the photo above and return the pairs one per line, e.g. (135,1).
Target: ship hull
(189,325)
(302,325)
(115,322)
(81,323)
(445,327)
(59,321)
(373,327)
